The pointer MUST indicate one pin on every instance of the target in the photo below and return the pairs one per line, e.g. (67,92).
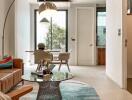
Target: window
(101,26)
(52,33)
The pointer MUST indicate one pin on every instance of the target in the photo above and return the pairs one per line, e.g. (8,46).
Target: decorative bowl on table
(47,71)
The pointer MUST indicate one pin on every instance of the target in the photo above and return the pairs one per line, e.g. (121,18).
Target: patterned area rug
(77,91)
(70,90)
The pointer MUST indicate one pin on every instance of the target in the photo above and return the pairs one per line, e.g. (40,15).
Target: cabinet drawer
(101,56)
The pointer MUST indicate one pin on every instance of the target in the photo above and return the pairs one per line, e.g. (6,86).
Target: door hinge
(125,42)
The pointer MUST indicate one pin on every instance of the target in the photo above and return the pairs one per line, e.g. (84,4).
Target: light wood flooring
(94,76)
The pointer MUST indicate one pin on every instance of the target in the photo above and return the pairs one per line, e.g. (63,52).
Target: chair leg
(38,67)
(22,82)
(59,67)
(68,67)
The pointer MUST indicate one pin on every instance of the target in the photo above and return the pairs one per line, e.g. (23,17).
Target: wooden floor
(129,85)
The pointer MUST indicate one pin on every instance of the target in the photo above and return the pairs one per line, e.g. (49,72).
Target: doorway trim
(76,35)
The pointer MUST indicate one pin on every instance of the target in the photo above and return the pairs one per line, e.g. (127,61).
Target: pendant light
(47,9)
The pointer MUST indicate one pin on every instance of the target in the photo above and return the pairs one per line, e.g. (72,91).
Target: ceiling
(80,1)
(89,1)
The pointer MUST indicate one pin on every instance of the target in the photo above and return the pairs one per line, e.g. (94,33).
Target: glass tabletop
(56,76)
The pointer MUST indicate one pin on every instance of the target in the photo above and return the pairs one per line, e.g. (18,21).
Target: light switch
(119,32)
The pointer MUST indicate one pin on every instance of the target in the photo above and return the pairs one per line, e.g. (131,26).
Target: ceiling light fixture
(44,20)
(47,9)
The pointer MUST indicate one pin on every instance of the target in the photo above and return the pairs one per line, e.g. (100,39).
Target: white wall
(32,27)
(9,29)
(72,30)
(71,27)
(22,28)
(114,42)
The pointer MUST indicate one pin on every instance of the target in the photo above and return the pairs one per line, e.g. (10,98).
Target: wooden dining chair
(40,57)
(62,59)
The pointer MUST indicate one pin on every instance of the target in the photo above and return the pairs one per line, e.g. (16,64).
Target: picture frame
(129,7)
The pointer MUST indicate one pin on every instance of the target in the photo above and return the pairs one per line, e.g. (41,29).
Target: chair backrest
(64,56)
(42,55)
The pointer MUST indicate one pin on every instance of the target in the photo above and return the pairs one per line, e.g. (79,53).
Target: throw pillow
(7,62)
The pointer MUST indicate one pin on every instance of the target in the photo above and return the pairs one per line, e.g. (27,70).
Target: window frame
(98,9)
(35,28)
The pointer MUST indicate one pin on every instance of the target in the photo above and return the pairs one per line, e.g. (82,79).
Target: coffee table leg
(49,90)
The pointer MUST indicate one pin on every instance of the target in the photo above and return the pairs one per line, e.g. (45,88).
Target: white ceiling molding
(89,1)
(78,1)
(33,1)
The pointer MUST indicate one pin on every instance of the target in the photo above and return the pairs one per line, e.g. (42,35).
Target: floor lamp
(51,27)
(48,8)
(3,35)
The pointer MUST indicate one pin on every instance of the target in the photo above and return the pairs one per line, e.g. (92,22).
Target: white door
(86,19)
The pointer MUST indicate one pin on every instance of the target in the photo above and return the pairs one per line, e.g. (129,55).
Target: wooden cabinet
(101,56)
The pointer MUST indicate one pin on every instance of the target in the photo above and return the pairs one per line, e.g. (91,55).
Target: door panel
(85,36)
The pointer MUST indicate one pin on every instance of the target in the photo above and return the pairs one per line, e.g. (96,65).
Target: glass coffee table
(48,84)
